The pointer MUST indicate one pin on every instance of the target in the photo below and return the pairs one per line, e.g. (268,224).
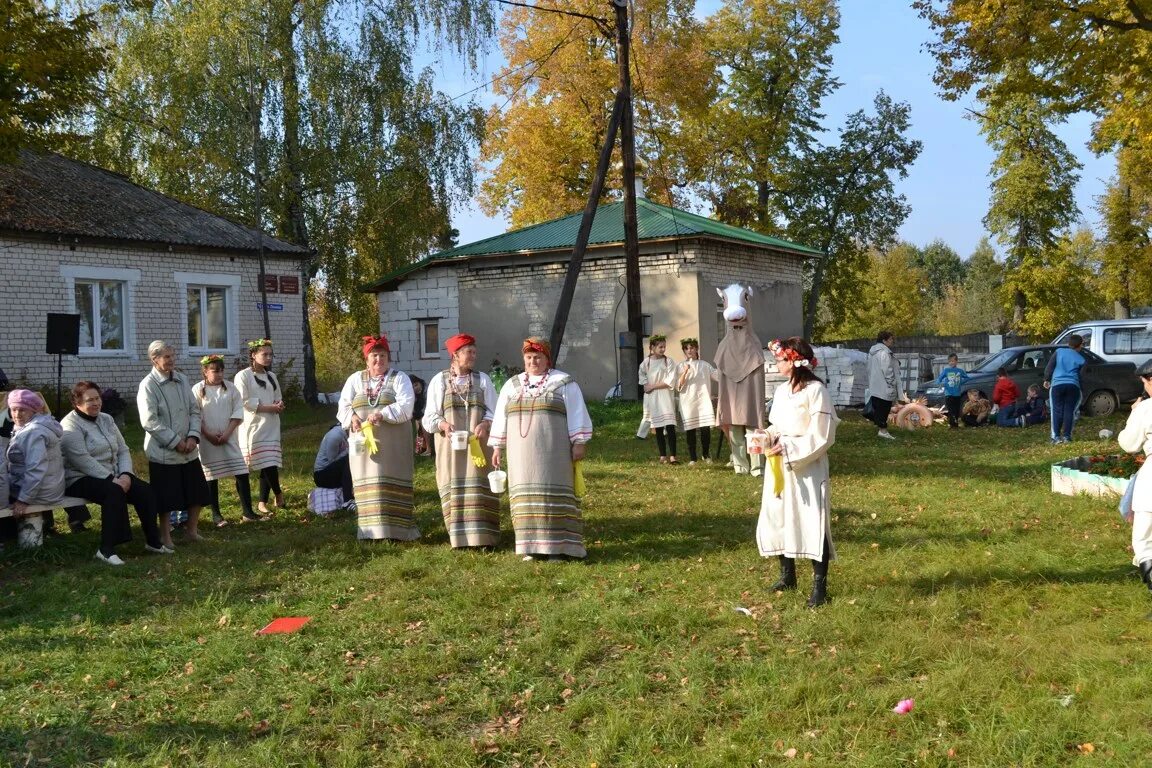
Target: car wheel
(1100,403)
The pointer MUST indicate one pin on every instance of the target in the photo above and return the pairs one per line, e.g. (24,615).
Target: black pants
(666,439)
(269,482)
(953,403)
(705,441)
(115,527)
(880,410)
(338,474)
(243,491)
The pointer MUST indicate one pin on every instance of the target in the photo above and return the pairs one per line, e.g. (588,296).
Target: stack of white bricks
(846,373)
(915,370)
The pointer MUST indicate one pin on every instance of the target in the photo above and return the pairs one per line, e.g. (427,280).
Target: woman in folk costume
(464,399)
(221,414)
(694,379)
(657,378)
(376,409)
(740,379)
(260,433)
(795,508)
(1134,438)
(542,425)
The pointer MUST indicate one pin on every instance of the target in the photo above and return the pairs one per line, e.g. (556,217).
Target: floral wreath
(257,343)
(689,342)
(656,338)
(780,352)
(207,360)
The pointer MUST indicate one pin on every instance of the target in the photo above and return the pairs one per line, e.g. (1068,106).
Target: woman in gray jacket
(884,386)
(35,466)
(98,467)
(170,416)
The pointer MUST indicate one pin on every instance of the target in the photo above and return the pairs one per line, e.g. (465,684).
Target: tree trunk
(763,195)
(1018,306)
(1121,310)
(813,302)
(294,188)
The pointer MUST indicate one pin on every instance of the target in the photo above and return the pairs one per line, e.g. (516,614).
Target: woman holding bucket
(376,409)
(795,508)
(460,405)
(543,426)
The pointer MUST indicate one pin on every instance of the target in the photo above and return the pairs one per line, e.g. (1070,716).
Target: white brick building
(135,266)
(505,288)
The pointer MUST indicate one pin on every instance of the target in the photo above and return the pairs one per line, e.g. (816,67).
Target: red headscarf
(536,344)
(460,340)
(375,342)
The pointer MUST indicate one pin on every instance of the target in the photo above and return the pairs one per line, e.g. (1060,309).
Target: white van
(1126,341)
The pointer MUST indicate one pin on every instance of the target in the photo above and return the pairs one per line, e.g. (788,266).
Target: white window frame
(421,324)
(231,286)
(73,273)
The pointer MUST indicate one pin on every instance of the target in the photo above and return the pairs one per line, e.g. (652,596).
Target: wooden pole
(632,353)
(581,245)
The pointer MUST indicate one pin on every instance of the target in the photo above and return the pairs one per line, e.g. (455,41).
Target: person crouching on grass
(795,506)
(1136,437)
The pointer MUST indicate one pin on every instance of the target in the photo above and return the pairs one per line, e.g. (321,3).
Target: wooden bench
(67,501)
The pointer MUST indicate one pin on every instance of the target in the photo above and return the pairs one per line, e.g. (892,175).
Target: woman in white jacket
(795,508)
(1134,438)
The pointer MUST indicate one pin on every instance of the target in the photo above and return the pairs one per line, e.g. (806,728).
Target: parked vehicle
(1116,341)
(1105,385)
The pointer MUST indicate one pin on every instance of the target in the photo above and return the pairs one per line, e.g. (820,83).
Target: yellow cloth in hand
(776,467)
(578,487)
(369,439)
(475,452)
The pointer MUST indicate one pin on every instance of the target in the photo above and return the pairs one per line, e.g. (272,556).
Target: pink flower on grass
(904,707)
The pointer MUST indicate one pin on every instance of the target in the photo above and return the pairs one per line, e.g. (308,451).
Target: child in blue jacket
(952,377)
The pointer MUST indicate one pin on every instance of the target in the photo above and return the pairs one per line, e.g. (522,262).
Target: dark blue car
(1105,385)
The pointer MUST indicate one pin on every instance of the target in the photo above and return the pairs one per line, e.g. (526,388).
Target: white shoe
(112,559)
(160,550)
(885,434)
(740,470)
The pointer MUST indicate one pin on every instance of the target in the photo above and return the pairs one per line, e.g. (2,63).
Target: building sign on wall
(290,284)
(271,284)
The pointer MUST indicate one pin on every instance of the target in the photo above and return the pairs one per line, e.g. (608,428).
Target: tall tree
(1078,55)
(557,88)
(48,69)
(941,265)
(893,294)
(1033,185)
(1126,211)
(1062,290)
(842,199)
(777,63)
(974,306)
(360,157)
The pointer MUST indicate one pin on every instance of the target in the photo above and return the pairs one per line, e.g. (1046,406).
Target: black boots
(787,575)
(819,594)
(1146,573)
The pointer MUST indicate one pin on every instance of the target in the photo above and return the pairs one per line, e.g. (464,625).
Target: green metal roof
(654,222)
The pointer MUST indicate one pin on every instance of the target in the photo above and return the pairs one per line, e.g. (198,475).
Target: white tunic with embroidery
(660,404)
(260,432)
(694,387)
(218,406)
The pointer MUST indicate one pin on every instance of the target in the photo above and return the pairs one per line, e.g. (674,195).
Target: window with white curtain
(210,312)
(103,298)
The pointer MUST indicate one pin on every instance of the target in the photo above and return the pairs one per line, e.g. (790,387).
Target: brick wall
(430,295)
(35,282)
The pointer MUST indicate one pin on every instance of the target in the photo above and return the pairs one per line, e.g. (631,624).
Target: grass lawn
(1011,616)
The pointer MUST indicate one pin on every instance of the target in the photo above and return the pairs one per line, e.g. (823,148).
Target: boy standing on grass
(952,377)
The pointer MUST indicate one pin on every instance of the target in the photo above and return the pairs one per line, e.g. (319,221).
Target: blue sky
(881,46)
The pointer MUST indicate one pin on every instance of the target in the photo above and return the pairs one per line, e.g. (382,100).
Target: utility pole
(255,111)
(630,347)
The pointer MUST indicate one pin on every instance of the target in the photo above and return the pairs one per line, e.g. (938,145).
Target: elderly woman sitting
(35,466)
(98,467)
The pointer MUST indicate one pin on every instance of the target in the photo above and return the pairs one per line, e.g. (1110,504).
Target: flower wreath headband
(208,360)
(656,338)
(257,343)
(689,342)
(780,352)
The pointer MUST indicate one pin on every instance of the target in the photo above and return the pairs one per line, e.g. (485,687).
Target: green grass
(1011,615)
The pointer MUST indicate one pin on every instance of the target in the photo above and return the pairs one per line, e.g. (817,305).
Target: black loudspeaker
(63,334)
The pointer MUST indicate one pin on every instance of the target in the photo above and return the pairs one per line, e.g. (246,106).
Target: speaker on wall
(63,334)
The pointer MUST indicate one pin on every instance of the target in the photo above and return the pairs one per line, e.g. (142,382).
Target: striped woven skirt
(471,511)
(383,486)
(545,513)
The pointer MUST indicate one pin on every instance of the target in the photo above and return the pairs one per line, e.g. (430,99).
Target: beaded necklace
(535,390)
(373,395)
(455,390)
